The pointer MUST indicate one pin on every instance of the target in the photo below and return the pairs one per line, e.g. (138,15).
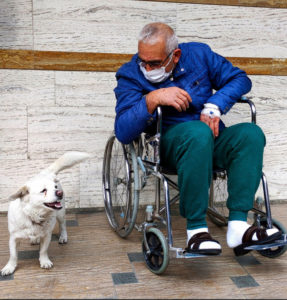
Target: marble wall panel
(13,133)
(14,174)
(95,26)
(54,130)
(86,89)
(27,88)
(91,194)
(234,31)
(16,30)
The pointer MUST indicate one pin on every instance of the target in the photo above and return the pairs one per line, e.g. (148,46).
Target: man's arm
(230,82)
(132,115)
(172,96)
(135,111)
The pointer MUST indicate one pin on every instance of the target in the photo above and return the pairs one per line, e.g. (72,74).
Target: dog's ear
(20,193)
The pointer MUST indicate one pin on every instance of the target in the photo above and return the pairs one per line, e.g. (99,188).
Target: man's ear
(176,54)
(20,193)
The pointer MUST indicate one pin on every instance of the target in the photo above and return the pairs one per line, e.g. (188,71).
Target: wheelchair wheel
(157,260)
(120,195)
(217,210)
(276,251)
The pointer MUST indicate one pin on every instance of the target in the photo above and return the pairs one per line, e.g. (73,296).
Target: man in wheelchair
(181,78)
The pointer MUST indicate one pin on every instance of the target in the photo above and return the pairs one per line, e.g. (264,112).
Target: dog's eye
(44,191)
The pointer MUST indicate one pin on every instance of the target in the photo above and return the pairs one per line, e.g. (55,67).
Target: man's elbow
(122,136)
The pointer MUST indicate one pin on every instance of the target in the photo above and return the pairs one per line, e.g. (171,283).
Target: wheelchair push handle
(244,99)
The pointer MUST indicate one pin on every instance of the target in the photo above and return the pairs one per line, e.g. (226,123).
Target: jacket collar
(179,69)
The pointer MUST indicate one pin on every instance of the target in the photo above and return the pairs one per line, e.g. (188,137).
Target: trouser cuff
(195,224)
(236,215)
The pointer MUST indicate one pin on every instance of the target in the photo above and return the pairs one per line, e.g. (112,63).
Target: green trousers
(191,149)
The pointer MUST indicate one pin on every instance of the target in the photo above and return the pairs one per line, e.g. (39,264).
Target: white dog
(36,206)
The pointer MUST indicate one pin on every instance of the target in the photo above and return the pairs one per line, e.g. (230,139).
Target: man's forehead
(152,51)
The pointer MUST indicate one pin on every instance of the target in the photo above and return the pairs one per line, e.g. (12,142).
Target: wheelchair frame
(154,241)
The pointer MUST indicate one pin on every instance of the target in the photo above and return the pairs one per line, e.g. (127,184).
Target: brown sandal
(261,235)
(199,238)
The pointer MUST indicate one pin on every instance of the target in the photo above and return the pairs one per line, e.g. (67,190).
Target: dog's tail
(68,160)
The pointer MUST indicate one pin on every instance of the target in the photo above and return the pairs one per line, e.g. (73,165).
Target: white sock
(236,230)
(203,245)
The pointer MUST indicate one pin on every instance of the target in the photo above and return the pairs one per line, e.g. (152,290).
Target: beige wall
(45,113)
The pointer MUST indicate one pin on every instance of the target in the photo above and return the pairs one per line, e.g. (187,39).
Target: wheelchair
(126,172)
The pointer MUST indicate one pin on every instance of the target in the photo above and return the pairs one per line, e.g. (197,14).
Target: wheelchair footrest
(278,243)
(181,253)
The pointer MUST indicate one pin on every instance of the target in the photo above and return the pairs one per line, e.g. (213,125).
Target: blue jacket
(199,72)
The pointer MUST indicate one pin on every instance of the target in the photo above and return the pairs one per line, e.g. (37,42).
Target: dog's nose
(59,194)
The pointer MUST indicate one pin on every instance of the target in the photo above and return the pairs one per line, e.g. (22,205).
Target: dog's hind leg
(45,262)
(12,263)
(63,239)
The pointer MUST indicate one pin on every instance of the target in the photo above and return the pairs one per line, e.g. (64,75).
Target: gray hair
(153,32)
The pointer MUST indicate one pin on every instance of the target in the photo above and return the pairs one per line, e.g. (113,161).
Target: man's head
(158,47)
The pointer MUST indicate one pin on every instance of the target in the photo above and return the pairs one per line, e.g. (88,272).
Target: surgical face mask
(156,75)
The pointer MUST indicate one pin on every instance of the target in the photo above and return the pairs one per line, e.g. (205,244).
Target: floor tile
(124,278)
(29,254)
(244,281)
(136,257)
(72,223)
(8,277)
(247,260)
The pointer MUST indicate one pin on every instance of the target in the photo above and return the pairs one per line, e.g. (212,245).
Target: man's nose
(59,194)
(148,68)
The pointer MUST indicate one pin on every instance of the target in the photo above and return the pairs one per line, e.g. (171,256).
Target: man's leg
(188,148)
(239,150)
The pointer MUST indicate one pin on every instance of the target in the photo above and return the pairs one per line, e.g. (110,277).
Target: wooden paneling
(61,61)
(110,62)
(249,3)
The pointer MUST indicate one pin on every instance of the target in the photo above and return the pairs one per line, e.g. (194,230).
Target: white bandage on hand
(211,110)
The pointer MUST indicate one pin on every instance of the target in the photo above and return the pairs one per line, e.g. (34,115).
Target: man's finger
(211,125)
(186,95)
(216,126)
(184,101)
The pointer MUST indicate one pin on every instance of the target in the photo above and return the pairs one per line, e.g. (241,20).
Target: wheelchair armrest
(252,107)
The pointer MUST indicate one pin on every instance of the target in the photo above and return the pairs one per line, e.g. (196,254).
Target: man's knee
(197,134)
(251,134)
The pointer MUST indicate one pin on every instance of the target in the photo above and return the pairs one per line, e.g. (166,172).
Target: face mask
(156,75)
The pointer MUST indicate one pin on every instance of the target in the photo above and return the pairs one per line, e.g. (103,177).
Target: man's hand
(213,123)
(172,96)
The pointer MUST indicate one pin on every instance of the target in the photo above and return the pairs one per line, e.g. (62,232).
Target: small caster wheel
(276,251)
(158,258)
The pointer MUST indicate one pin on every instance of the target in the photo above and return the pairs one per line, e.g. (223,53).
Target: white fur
(28,216)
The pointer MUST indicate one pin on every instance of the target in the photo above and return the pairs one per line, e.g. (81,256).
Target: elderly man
(181,79)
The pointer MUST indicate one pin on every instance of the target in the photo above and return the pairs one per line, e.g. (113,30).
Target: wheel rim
(120,195)
(116,184)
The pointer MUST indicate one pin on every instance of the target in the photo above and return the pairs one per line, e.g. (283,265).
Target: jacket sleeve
(132,116)
(229,82)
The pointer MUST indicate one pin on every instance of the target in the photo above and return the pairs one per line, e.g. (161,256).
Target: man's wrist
(151,102)
(212,110)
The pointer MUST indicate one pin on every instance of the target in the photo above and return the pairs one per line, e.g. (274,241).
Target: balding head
(157,32)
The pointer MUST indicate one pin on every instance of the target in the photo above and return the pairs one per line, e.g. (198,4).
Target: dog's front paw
(34,241)
(63,239)
(46,263)
(8,269)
